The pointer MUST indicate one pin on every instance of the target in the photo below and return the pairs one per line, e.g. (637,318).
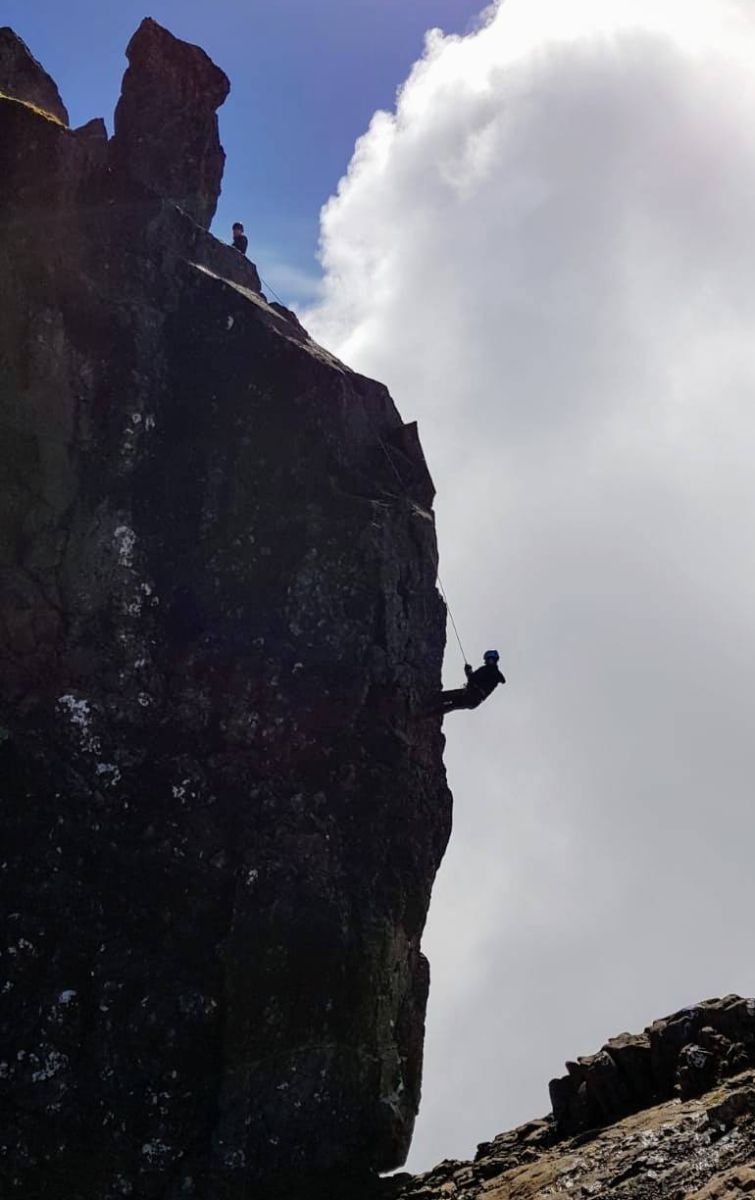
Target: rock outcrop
(24,78)
(166,125)
(664,1115)
(682,1055)
(219,824)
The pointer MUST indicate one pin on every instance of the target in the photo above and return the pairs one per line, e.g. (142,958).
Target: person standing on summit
(480,684)
(240,240)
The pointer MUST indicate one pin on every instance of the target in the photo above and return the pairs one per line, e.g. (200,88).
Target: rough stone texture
(672,1119)
(166,127)
(23,78)
(219,824)
(683,1054)
(94,130)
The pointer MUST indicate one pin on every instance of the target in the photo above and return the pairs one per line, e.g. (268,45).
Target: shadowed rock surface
(166,125)
(664,1115)
(219,826)
(22,77)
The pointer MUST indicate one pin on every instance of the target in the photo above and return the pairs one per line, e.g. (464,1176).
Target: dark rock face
(219,824)
(665,1115)
(22,77)
(166,127)
(94,131)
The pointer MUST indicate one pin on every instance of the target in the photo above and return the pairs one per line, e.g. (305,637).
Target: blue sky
(306,77)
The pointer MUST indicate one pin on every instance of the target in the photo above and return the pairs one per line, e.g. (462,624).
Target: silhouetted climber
(480,684)
(240,240)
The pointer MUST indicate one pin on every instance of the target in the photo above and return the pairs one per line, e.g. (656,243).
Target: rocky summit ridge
(218,609)
(668,1114)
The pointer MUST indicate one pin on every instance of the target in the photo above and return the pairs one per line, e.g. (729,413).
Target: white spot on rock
(54,1062)
(22,946)
(125,541)
(80,715)
(156,1151)
(109,769)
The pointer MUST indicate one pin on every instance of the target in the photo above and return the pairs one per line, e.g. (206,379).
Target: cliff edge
(217,611)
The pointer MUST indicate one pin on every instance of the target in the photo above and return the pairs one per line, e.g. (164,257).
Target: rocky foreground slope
(218,826)
(668,1114)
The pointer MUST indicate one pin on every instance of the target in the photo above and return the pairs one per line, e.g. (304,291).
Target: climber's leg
(452,700)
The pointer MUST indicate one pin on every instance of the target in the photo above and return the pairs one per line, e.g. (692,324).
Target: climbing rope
(451,616)
(268,288)
(438,578)
(396,471)
(406,491)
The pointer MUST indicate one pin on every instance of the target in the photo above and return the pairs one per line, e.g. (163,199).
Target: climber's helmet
(238,227)
(491,656)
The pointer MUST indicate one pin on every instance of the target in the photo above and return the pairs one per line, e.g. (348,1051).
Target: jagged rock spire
(166,125)
(23,78)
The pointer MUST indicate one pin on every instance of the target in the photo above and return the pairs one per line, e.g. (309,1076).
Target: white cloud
(547,254)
